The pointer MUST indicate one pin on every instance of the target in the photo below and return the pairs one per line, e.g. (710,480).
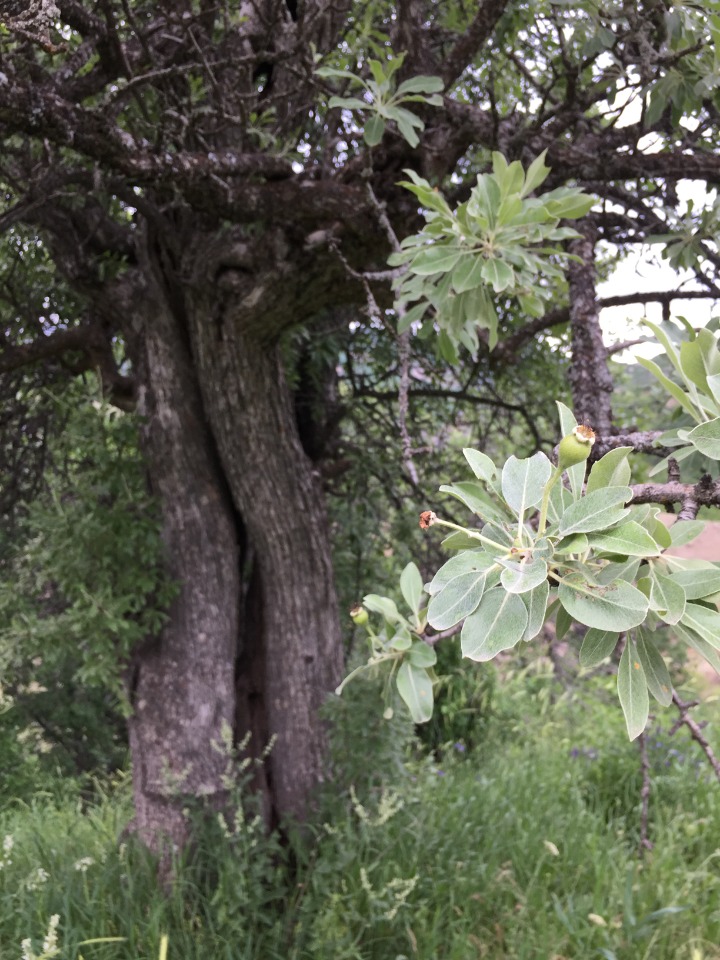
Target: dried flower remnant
(427,519)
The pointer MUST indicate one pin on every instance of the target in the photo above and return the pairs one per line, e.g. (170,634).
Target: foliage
(587,559)
(384,100)
(524,847)
(84,584)
(501,240)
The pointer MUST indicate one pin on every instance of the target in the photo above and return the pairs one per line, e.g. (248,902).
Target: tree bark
(292,637)
(590,376)
(181,682)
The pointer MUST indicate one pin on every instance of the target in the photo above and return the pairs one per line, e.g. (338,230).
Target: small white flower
(83,863)
(37,879)
(8,843)
(26,947)
(50,943)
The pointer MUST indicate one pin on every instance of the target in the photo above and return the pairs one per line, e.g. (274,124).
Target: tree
(202,184)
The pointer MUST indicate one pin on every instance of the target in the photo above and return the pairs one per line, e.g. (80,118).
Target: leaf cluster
(501,239)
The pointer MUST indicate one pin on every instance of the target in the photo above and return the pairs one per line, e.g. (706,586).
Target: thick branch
(480,30)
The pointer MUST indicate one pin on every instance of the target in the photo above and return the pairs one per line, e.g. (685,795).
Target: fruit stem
(542,522)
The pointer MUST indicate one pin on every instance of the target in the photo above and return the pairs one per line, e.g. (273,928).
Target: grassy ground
(522,847)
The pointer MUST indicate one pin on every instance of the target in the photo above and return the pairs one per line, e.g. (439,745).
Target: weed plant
(523,846)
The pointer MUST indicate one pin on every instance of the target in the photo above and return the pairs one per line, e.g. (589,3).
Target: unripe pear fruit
(575,447)
(359,616)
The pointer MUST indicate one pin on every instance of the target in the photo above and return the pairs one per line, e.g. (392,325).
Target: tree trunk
(292,636)
(590,376)
(181,682)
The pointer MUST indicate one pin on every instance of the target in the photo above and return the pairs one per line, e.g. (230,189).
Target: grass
(524,847)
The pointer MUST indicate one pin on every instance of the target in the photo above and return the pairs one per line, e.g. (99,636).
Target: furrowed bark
(181,682)
(294,652)
(590,376)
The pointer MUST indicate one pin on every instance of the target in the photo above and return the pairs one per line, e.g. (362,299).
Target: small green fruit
(575,447)
(359,616)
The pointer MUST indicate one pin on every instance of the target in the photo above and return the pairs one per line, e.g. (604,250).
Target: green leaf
(523,481)
(536,173)
(704,622)
(411,586)
(597,646)
(692,362)
(374,130)
(536,604)
(700,646)
(457,599)
(563,622)
(523,576)
(465,562)
(656,672)
(698,583)
(706,438)
(667,598)
(468,272)
(672,388)
(612,470)
(415,687)
(628,539)
(421,84)
(576,543)
(383,605)
(497,624)
(437,258)
(481,465)
(633,691)
(684,531)
(498,273)
(421,654)
(616,607)
(348,103)
(596,511)
(475,498)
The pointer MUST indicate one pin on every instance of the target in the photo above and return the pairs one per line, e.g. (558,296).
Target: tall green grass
(524,847)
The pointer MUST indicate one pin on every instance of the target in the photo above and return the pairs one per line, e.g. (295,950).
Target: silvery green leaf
(520,577)
(457,599)
(498,624)
(464,562)
(704,622)
(411,586)
(706,438)
(482,466)
(612,470)
(597,646)
(667,598)
(633,691)
(536,605)
(656,672)
(698,583)
(616,607)
(684,531)
(523,481)
(421,654)
(628,539)
(415,687)
(596,511)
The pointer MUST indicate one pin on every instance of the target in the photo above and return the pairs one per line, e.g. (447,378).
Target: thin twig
(403,341)
(695,732)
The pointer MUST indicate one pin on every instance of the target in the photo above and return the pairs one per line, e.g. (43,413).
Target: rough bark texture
(182,686)
(590,377)
(297,649)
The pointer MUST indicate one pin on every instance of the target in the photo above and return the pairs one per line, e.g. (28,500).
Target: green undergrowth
(521,846)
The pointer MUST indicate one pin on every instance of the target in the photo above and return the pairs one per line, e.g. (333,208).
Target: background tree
(199,195)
